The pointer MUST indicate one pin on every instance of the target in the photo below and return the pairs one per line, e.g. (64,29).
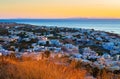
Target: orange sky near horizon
(60,9)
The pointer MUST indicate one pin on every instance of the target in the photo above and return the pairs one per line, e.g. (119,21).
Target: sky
(59,8)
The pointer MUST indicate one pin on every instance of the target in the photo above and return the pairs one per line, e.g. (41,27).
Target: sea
(108,25)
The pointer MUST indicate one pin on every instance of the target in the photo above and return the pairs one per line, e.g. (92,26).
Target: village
(98,48)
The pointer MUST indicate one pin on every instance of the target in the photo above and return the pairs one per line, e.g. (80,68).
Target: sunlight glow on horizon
(60,8)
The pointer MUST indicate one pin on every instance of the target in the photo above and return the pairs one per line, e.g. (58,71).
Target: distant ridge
(59,18)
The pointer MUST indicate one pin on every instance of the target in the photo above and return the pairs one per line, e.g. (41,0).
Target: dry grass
(58,68)
(43,69)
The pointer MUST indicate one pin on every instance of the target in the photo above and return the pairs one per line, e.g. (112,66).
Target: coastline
(95,48)
(108,25)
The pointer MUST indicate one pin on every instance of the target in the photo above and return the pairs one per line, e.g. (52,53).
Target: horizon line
(53,18)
